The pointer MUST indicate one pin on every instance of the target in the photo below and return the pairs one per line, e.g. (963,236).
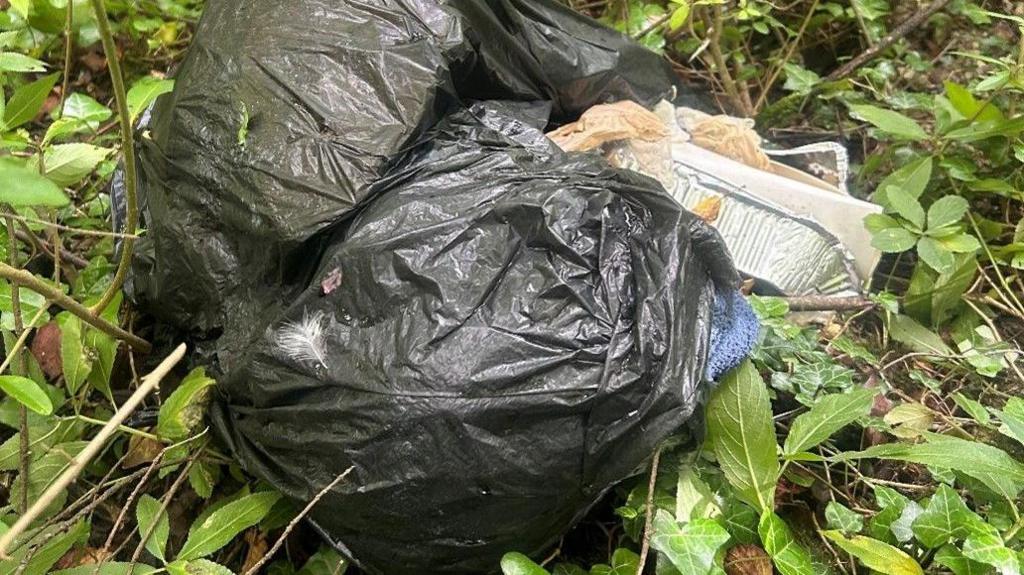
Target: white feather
(305,340)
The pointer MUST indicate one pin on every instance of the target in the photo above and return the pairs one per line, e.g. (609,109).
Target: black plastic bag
(504,333)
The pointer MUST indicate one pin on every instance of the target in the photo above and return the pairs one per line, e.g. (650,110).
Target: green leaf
(27,100)
(109,568)
(890,122)
(144,92)
(15,62)
(52,545)
(876,555)
(147,512)
(78,106)
(944,520)
(935,255)
(912,178)
(679,15)
(830,414)
(977,131)
(954,560)
(24,186)
(800,79)
(910,420)
(790,557)
(183,411)
(740,521)
(221,526)
(624,562)
(984,545)
(203,477)
(968,106)
(946,211)
(21,7)
(68,164)
(959,244)
(906,206)
(204,567)
(888,235)
(990,465)
(917,337)
(74,357)
(973,408)
(842,518)
(519,564)
(27,393)
(326,561)
(741,433)
(43,472)
(694,499)
(1012,418)
(692,547)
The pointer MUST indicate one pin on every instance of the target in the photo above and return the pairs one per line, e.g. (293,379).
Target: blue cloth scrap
(734,330)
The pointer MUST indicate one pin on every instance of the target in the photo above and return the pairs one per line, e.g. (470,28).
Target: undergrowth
(884,440)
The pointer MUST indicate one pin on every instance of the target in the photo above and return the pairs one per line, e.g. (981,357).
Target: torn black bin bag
(500,336)
(285,112)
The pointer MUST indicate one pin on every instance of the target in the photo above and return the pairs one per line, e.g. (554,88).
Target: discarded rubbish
(491,331)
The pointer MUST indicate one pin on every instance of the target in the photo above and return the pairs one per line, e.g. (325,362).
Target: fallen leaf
(141,450)
(46,349)
(258,547)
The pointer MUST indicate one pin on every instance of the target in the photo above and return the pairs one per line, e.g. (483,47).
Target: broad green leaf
(935,255)
(679,15)
(75,358)
(977,131)
(800,79)
(901,526)
(694,499)
(203,477)
(968,106)
(830,414)
(973,408)
(790,557)
(183,411)
(624,562)
(876,555)
(1012,418)
(910,420)
(959,243)
(27,393)
(326,561)
(912,178)
(954,560)
(519,564)
(985,545)
(69,164)
(21,7)
(78,106)
(54,545)
(946,211)
(990,465)
(147,513)
(944,520)
(144,92)
(110,568)
(27,100)
(221,526)
(890,122)
(741,433)
(41,439)
(15,62)
(888,234)
(24,186)
(842,518)
(906,206)
(740,521)
(917,337)
(692,547)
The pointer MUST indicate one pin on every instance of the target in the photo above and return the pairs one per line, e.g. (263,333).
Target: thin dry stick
(645,546)
(58,297)
(785,59)
(178,482)
(127,148)
(295,521)
(908,26)
(23,454)
(149,383)
(131,499)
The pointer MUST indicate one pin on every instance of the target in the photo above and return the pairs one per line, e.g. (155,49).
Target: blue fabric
(734,329)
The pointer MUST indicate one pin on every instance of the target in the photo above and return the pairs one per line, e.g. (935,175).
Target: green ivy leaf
(183,411)
(790,557)
(876,555)
(954,560)
(692,547)
(24,186)
(947,211)
(800,79)
(741,433)
(842,518)
(221,526)
(828,415)
(944,520)
(26,392)
(985,545)
(147,512)
(892,123)
(624,562)
(27,100)
(519,564)
(1012,418)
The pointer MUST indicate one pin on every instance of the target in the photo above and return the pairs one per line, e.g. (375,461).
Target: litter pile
(395,270)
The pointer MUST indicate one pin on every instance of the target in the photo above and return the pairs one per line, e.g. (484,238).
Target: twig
(127,147)
(178,482)
(47,248)
(654,26)
(19,326)
(58,297)
(645,546)
(149,383)
(785,59)
(827,303)
(153,465)
(714,30)
(295,521)
(908,26)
